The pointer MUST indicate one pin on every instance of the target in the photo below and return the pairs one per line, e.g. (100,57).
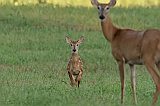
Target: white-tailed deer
(75,66)
(131,47)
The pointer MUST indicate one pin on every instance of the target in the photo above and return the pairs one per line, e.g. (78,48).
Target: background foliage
(123,3)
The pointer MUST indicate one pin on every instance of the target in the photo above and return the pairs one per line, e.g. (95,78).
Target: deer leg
(133,82)
(121,72)
(71,78)
(78,83)
(158,65)
(79,78)
(155,96)
(156,78)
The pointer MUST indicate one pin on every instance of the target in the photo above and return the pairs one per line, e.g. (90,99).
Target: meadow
(34,55)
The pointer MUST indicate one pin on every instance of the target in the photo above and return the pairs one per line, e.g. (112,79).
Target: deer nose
(101,17)
(74,50)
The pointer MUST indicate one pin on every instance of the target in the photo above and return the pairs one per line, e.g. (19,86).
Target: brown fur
(133,48)
(75,65)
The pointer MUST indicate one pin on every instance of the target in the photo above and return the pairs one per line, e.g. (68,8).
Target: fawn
(75,67)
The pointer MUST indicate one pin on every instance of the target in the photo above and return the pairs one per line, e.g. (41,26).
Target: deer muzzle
(74,50)
(101,17)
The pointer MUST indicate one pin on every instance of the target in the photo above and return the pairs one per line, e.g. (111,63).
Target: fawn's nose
(74,50)
(101,17)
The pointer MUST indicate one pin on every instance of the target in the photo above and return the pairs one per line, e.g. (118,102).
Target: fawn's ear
(81,39)
(94,2)
(68,39)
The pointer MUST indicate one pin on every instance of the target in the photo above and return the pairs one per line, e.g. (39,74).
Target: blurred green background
(86,3)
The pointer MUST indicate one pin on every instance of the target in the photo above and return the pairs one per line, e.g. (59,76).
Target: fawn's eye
(77,44)
(71,44)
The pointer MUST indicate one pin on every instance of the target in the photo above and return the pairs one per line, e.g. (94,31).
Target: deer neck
(109,30)
(75,54)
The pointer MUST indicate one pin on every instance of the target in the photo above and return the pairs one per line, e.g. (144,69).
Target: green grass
(34,55)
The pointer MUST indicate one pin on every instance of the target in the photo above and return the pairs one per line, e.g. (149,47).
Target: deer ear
(94,2)
(68,40)
(112,3)
(81,39)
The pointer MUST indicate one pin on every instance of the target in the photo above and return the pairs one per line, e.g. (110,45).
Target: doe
(131,47)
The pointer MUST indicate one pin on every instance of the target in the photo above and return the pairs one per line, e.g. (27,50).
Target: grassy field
(34,55)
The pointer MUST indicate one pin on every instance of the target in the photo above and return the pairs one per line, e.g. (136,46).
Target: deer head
(74,44)
(103,8)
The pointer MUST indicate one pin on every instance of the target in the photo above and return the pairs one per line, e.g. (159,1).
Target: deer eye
(107,8)
(71,45)
(98,7)
(77,44)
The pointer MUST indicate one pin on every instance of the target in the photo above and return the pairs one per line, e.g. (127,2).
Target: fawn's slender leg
(71,78)
(79,77)
(70,74)
(156,78)
(133,82)
(121,72)
(78,83)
